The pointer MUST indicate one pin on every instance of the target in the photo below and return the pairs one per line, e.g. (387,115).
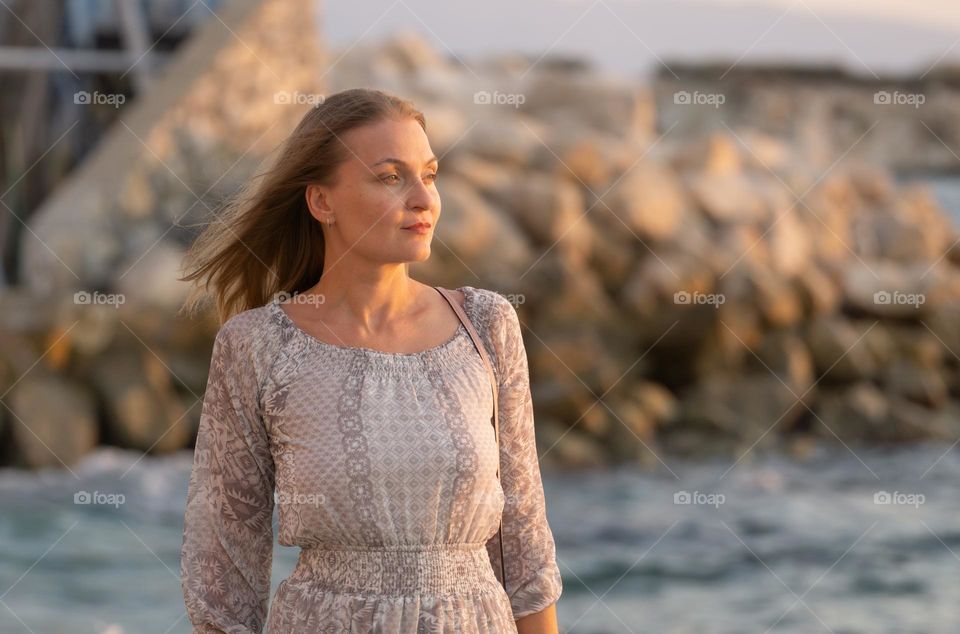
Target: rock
(650,200)
(785,354)
(142,411)
(776,298)
(910,422)
(551,210)
(887,289)
(862,413)
(669,281)
(593,159)
(486,177)
(601,102)
(789,244)
(728,198)
(727,345)
(839,353)
(631,438)
(585,300)
(577,360)
(945,325)
(445,125)
(560,397)
(470,228)
(765,152)
(569,449)
(818,293)
(873,183)
(916,383)
(656,401)
(510,141)
(717,153)
(877,338)
(54,421)
(738,248)
(859,412)
(902,235)
(746,408)
(917,345)
(149,276)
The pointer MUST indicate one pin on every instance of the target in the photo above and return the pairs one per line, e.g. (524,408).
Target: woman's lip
(420,228)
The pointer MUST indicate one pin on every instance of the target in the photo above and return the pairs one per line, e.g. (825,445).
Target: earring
(329,221)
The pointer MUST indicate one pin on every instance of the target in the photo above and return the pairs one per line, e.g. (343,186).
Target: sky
(928,12)
(636,37)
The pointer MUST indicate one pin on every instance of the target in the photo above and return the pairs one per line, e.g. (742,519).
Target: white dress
(383,466)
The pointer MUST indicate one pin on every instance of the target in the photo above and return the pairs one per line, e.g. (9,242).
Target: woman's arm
(227,546)
(542,622)
(533,581)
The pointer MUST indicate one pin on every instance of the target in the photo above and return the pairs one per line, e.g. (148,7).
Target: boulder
(550,210)
(649,200)
(54,421)
(915,383)
(602,102)
(839,353)
(142,409)
(728,198)
(887,289)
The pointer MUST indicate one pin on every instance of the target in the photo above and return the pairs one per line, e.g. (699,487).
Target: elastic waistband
(435,569)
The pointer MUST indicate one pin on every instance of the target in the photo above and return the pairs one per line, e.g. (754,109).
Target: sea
(845,540)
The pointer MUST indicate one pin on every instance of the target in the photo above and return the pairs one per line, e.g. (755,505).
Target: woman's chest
(419,427)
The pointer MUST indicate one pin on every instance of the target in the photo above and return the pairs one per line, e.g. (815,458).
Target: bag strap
(448,295)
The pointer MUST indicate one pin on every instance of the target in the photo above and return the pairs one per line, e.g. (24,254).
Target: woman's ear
(318,202)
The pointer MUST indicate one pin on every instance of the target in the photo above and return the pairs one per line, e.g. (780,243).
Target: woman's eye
(389,176)
(433,176)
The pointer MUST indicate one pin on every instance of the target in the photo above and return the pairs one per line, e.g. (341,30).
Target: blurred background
(729,228)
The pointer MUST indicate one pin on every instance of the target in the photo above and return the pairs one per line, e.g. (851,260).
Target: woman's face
(386,184)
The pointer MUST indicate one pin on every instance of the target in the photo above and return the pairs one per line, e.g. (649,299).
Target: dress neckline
(370,352)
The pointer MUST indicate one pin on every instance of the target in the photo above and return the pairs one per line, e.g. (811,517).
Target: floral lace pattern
(382,467)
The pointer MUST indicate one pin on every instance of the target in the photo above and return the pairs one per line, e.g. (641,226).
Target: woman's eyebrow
(396,161)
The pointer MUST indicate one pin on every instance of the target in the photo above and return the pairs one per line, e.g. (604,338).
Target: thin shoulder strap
(483,355)
(448,295)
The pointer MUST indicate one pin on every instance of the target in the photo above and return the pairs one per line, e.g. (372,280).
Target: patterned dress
(383,469)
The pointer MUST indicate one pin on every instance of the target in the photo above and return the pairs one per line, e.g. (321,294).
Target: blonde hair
(264,239)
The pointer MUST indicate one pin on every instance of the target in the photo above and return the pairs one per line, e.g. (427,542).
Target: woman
(361,408)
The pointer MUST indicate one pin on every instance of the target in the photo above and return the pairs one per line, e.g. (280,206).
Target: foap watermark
(700,498)
(897,98)
(97,98)
(901,498)
(697,98)
(301,298)
(99,498)
(515,298)
(497,98)
(698,298)
(284,498)
(97,298)
(295,97)
(897,298)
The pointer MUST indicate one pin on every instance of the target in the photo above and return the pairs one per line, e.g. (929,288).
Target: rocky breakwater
(678,293)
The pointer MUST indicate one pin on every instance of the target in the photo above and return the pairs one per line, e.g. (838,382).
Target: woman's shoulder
(254,335)
(485,307)
(252,323)
(495,317)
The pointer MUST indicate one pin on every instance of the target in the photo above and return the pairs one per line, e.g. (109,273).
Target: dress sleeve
(533,578)
(227,551)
